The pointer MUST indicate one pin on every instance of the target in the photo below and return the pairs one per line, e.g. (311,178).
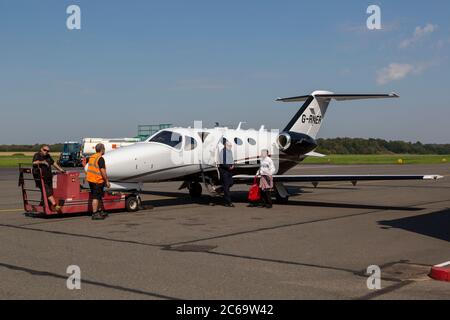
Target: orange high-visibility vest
(93,173)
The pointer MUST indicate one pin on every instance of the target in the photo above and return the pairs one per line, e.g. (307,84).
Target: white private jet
(190,155)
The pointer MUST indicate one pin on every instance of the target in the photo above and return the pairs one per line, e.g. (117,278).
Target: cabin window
(238,141)
(169,138)
(189,143)
(251,141)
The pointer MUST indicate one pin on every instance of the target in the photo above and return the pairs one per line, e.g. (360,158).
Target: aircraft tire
(132,204)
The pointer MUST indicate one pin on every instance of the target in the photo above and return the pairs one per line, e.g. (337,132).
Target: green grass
(379,159)
(14,160)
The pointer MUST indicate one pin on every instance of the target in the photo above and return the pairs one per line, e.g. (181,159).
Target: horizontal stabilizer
(309,118)
(339,97)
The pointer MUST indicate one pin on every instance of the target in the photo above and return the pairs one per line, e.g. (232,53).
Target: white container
(110,144)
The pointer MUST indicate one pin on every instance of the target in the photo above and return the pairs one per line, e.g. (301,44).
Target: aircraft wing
(325,178)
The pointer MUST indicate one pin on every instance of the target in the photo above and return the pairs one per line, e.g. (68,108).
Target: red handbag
(254,194)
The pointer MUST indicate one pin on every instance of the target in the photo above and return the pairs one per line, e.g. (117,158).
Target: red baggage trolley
(69,195)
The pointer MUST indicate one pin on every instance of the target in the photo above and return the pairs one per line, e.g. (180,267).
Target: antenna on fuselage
(240,125)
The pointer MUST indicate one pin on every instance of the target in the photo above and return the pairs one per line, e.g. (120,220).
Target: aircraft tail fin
(309,118)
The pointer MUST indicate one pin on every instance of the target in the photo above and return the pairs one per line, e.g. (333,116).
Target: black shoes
(267,206)
(98,216)
(229,205)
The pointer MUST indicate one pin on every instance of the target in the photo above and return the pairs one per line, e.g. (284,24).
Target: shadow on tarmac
(435,224)
(179,198)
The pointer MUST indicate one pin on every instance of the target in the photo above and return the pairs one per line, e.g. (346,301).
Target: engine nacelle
(294,143)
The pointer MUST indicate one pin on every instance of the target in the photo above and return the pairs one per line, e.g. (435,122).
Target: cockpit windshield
(169,138)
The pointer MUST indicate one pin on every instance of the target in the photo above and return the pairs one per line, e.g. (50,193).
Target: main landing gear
(195,189)
(281,194)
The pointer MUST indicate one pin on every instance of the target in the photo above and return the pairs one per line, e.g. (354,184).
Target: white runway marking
(443,265)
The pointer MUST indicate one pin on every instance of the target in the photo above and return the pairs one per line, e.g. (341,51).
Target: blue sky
(145,62)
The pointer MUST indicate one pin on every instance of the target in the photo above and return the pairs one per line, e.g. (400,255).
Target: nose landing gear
(133,203)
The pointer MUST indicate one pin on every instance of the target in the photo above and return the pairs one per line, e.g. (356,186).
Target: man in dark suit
(226,167)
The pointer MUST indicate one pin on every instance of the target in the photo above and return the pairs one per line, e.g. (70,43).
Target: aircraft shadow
(165,193)
(435,224)
(348,205)
(183,200)
(241,197)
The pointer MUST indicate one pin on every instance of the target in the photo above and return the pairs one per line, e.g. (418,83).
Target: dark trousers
(266,197)
(226,178)
(48,185)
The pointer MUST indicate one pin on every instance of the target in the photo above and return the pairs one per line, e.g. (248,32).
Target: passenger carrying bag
(254,193)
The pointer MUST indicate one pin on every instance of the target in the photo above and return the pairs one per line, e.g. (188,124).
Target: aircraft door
(211,147)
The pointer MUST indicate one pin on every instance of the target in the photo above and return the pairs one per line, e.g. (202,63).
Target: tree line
(378,146)
(326,146)
(58,147)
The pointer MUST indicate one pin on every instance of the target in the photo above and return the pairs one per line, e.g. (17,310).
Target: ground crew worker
(43,160)
(98,179)
(226,168)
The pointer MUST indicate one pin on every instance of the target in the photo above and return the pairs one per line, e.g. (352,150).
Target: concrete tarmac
(318,246)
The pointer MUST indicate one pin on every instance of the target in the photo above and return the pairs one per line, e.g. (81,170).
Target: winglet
(394,95)
(432,177)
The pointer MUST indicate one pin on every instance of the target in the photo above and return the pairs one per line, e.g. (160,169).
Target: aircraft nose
(117,162)
(131,161)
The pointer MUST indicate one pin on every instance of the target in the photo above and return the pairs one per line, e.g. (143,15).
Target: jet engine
(294,143)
